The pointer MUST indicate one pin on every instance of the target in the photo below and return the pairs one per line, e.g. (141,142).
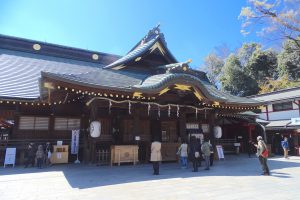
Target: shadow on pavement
(89,176)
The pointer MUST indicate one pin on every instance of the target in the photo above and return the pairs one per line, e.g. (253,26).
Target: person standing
(40,156)
(212,155)
(285,147)
(249,148)
(155,155)
(261,147)
(183,152)
(205,148)
(48,153)
(194,153)
(30,155)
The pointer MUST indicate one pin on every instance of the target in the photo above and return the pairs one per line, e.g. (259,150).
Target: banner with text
(75,141)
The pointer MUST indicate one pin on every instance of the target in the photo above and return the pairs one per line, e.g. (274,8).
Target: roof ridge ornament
(177,67)
(154,32)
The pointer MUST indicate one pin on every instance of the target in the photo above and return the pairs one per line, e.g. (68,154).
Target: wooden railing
(228,145)
(225,141)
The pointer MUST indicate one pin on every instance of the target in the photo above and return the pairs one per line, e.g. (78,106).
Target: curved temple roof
(22,72)
(154,39)
(119,80)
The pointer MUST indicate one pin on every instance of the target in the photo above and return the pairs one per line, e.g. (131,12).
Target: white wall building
(282,113)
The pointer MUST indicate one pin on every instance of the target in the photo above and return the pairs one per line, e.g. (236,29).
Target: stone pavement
(238,177)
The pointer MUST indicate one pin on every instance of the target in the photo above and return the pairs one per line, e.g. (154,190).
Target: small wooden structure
(124,154)
(60,154)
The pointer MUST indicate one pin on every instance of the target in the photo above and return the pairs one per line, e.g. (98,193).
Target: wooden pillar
(182,124)
(88,141)
(212,124)
(267,112)
(136,121)
(16,117)
(250,132)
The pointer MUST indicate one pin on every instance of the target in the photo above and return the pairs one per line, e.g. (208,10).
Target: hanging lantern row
(138,95)
(232,116)
(105,94)
(35,103)
(229,107)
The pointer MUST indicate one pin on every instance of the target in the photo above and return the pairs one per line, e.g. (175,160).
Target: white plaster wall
(263,116)
(283,115)
(295,106)
(270,108)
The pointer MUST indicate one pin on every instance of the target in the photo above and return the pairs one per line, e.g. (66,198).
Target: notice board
(220,151)
(10,156)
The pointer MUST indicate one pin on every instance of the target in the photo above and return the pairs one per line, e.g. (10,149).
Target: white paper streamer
(110,104)
(149,106)
(158,111)
(129,107)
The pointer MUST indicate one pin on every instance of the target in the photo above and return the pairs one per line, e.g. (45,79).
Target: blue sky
(191,28)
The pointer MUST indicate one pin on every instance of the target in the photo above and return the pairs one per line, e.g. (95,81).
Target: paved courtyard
(238,177)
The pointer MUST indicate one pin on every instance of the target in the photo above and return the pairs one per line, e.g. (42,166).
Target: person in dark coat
(212,155)
(48,153)
(249,148)
(30,155)
(194,153)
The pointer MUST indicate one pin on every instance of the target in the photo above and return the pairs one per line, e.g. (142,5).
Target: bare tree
(278,17)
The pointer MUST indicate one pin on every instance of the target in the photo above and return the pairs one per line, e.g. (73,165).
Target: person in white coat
(155,155)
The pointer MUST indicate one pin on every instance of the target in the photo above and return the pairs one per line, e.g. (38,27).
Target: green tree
(262,65)
(245,52)
(289,61)
(235,80)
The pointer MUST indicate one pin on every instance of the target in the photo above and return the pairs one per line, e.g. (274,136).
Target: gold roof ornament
(182,87)
(216,103)
(137,94)
(198,95)
(95,56)
(49,85)
(36,47)
(158,46)
(138,59)
(164,91)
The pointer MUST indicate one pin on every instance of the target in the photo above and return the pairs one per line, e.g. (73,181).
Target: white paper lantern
(95,129)
(218,132)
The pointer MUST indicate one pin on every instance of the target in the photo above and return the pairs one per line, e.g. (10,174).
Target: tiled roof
(134,54)
(20,72)
(279,123)
(291,93)
(158,82)
(142,47)
(101,78)
(26,45)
